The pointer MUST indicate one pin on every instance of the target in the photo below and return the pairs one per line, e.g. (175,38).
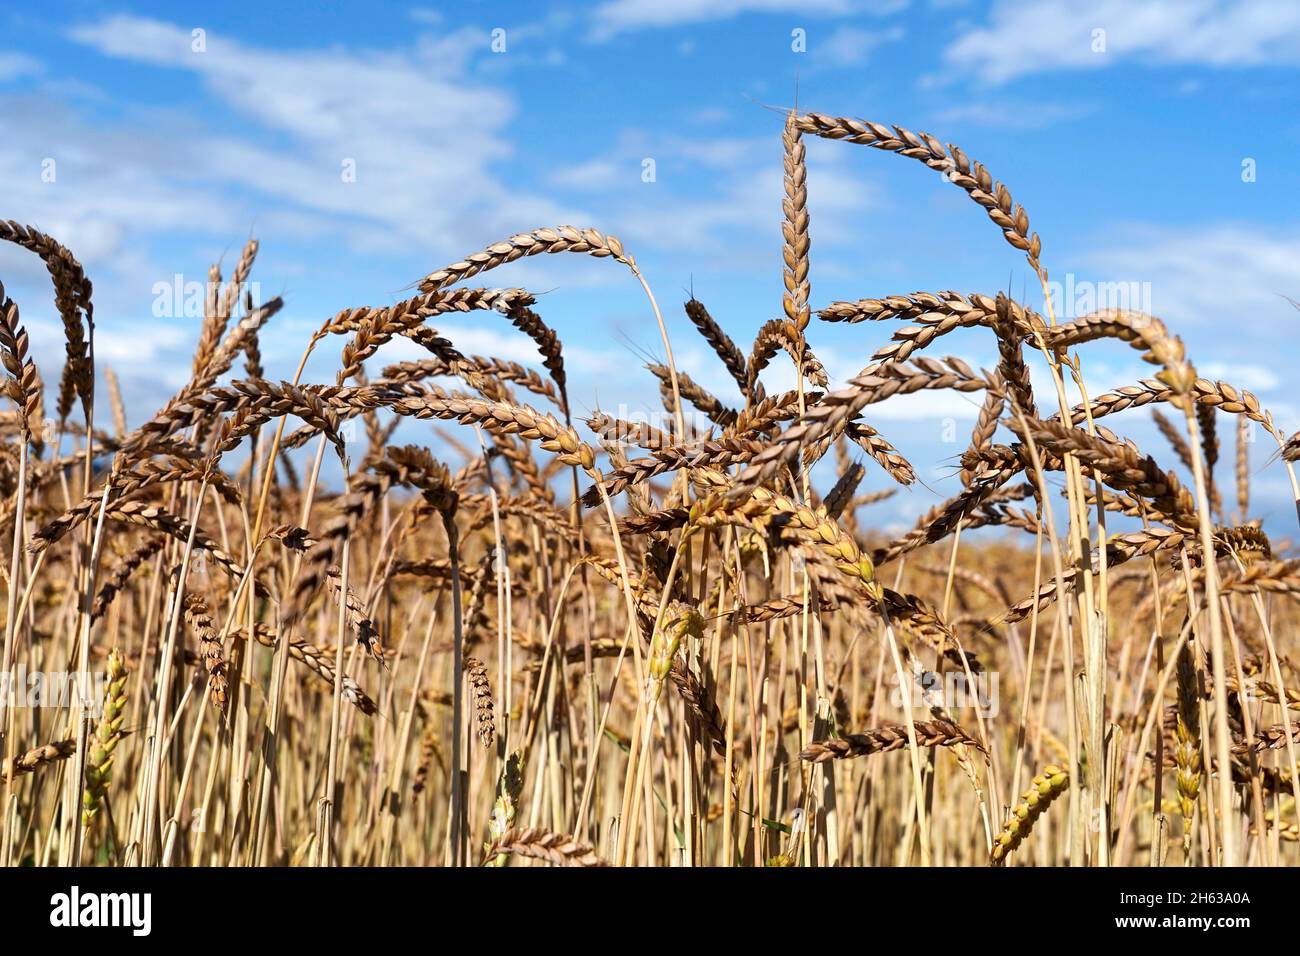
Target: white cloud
(619,16)
(1215,274)
(423,138)
(487,337)
(708,115)
(105,192)
(139,189)
(1257,378)
(1019,115)
(425,15)
(721,196)
(14,65)
(597,173)
(926,406)
(853,46)
(1024,37)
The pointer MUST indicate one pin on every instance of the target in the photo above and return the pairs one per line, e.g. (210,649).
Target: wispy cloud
(14,65)
(1013,115)
(620,16)
(425,15)
(1023,37)
(853,46)
(1222,288)
(720,195)
(1216,277)
(350,139)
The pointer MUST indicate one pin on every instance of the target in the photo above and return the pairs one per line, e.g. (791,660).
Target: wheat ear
(38,757)
(557,848)
(1043,789)
(214,661)
(108,734)
(1187,755)
(476,673)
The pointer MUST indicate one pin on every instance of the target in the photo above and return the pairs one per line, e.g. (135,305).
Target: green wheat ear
(1044,788)
(99,762)
(509,787)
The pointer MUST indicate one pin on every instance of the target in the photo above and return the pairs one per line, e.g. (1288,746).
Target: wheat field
(540,639)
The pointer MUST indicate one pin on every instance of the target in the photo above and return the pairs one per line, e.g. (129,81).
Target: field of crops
(542,639)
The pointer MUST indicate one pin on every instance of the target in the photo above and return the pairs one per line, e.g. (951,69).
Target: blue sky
(1129,160)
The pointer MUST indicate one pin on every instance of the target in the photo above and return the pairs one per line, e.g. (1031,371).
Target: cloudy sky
(366,144)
